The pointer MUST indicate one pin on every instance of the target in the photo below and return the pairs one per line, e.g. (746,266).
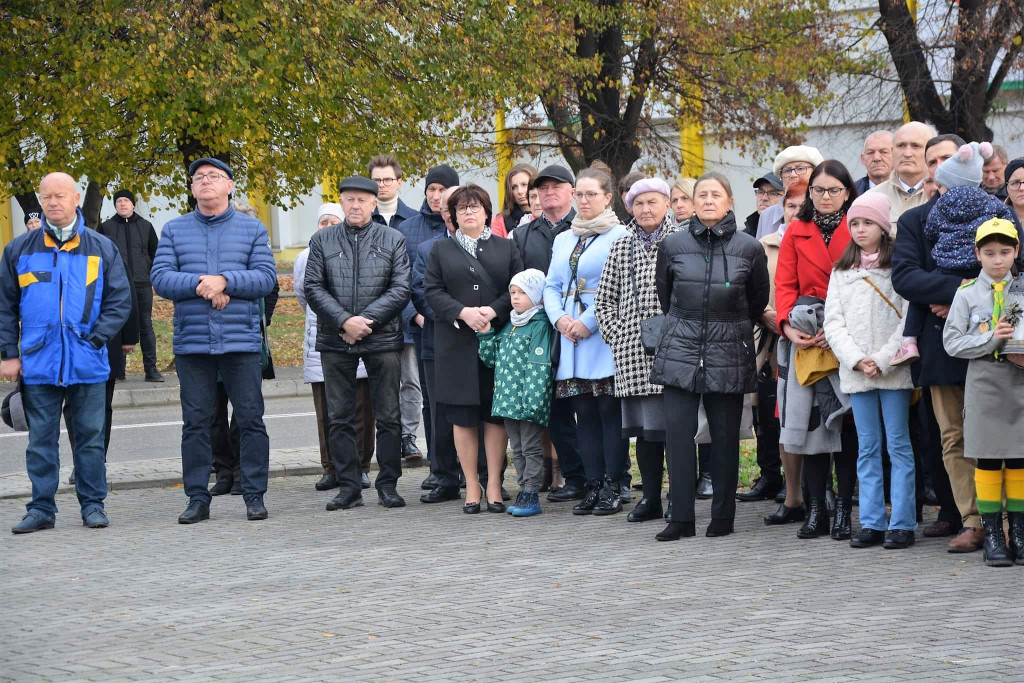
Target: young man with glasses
(387,173)
(215,264)
(793,164)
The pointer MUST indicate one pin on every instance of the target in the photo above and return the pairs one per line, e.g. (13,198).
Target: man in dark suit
(876,159)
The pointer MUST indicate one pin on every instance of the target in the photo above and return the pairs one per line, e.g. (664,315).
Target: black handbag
(650,328)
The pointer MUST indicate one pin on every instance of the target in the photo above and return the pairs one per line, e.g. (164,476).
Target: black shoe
(346,498)
(930,497)
(196,511)
(410,451)
(589,502)
(255,509)
(638,486)
(764,488)
(471,508)
(645,510)
(389,498)
(676,530)
(780,497)
(624,494)
(841,525)
(719,527)
(496,507)
(430,483)
(897,539)
(817,520)
(327,482)
(996,552)
(153,375)
(704,488)
(785,515)
(1016,544)
(236,488)
(866,538)
(609,499)
(364,480)
(567,493)
(221,487)
(505,495)
(440,494)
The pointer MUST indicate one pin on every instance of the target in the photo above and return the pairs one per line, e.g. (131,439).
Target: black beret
(124,193)
(554,172)
(216,163)
(360,183)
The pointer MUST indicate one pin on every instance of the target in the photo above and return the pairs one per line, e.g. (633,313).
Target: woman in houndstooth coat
(626,296)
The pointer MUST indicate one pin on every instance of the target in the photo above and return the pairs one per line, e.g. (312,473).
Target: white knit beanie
(330,209)
(530,281)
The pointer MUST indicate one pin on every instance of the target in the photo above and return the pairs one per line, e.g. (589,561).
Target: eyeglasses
(795,170)
(385,182)
(832,191)
(212,177)
(1014,185)
(468,208)
(768,193)
(589,196)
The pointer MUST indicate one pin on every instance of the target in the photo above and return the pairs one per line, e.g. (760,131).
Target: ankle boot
(676,530)
(817,520)
(841,525)
(546,475)
(589,502)
(1016,546)
(608,500)
(996,553)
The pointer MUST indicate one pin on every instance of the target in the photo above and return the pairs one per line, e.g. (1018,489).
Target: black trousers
(225,439)
(444,461)
(147,339)
(562,426)
(384,372)
(724,412)
(428,425)
(650,458)
(599,435)
(767,429)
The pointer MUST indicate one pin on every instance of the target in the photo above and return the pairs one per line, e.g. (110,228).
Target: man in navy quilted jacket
(215,264)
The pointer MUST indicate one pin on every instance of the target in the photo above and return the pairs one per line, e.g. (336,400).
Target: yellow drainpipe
(912,6)
(504,154)
(6,225)
(691,145)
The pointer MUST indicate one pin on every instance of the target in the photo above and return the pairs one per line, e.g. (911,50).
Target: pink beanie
(873,206)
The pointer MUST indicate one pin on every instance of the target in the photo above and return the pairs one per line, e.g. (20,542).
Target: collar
(725,226)
(907,188)
(217,218)
(563,219)
(986,280)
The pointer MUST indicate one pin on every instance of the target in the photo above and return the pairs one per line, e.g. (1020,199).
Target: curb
(163,396)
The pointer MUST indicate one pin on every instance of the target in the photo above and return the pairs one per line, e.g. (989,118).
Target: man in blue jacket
(215,264)
(65,287)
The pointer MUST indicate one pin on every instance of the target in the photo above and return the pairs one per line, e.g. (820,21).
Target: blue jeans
(870,410)
(43,404)
(240,373)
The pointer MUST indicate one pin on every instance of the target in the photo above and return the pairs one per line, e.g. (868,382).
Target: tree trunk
(92,204)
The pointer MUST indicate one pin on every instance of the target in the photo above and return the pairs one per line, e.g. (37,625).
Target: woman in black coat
(713,284)
(466,284)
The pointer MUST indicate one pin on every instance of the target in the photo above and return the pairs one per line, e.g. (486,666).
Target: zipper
(63,349)
(708,258)
(355,272)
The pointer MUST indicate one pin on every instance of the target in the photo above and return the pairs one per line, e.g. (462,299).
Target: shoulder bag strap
(899,314)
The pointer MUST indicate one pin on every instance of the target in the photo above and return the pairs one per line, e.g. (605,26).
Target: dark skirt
(643,417)
(471,416)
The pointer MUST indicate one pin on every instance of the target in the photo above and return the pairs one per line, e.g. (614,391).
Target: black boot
(221,487)
(676,530)
(996,553)
(719,527)
(704,488)
(841,525)
(817,520)
(1016,546)
(589,502)
(609,500)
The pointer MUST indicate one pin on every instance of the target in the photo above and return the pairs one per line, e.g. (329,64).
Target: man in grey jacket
(357,283)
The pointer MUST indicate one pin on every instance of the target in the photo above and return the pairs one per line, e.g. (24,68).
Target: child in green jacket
(521,357)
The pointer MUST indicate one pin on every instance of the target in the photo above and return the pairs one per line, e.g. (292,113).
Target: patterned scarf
(827,223)
(648,242)
(469,243)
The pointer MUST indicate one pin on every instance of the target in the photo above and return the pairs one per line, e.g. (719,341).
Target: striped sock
(1015,490)
(989,485)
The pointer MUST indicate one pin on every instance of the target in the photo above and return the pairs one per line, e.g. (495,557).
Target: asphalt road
(148,433)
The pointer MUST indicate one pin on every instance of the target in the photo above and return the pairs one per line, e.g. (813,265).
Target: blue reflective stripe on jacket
(69,299)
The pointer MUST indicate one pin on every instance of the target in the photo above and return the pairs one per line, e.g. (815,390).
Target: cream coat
(859,324)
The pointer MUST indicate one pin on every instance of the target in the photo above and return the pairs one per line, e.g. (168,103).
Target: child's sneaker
(907,353)
(519,501)
(529,507)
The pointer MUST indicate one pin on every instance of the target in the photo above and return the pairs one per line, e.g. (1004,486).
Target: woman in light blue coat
(586,369)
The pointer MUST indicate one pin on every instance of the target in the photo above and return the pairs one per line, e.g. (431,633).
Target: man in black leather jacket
(357,283)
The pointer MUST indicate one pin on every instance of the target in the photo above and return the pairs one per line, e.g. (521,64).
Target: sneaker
(519,501)
(530,506)
(907,353)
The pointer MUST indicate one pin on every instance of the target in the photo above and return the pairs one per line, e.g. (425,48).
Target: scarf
(869,260)
(827,223)
(520,319)
(648,242)
(469,243)
(599,225)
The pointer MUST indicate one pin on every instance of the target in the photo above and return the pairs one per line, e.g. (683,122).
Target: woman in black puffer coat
(713,284)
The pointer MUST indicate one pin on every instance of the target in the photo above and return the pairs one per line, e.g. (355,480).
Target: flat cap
(554,172)
(207,161)
(360,183)
(770,178)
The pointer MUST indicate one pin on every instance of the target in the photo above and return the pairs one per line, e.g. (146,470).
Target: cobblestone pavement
(427,593)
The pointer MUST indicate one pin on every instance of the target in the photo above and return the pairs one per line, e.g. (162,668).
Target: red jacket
(805,264)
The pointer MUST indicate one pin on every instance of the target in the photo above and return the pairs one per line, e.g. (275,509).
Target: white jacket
(312,368)
(859,324)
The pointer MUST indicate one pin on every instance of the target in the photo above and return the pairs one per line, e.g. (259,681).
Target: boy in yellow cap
(976,329)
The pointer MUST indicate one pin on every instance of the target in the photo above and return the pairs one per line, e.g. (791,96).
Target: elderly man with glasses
(215,264)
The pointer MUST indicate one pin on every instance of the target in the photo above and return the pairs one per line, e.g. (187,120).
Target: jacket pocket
(34,338)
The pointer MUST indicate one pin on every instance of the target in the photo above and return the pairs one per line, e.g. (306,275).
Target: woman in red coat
(811,245)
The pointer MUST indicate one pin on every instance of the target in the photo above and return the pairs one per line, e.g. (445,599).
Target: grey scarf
(469,243)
